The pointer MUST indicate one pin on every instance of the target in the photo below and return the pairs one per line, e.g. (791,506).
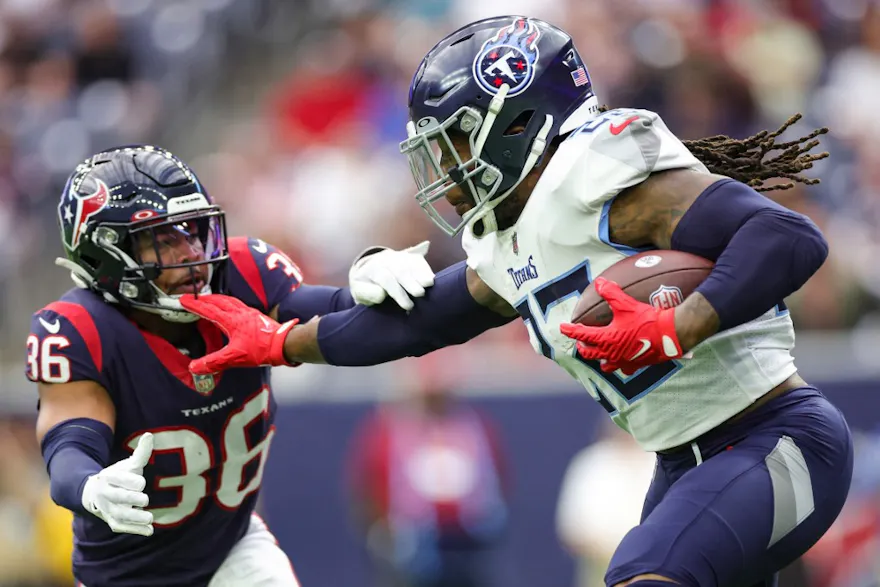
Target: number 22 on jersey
(197,458)
(535,309)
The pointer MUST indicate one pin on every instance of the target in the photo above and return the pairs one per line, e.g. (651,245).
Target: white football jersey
(561,242)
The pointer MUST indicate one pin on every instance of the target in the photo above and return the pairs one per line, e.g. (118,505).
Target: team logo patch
(77,210)
(509,58)
(204,384)
(665,297)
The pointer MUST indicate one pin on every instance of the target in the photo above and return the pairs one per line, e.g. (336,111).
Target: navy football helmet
(510,85)
(127,195)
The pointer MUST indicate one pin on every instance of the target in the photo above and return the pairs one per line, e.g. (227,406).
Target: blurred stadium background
(291,110)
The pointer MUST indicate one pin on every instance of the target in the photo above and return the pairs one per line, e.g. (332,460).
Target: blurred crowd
(317,170)
(77,76)
(314,166)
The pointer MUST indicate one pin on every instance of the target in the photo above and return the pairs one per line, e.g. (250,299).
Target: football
(660,278)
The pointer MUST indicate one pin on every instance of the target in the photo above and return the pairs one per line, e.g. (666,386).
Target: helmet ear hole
(519,124)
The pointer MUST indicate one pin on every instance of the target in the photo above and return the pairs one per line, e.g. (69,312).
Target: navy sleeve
(763,252)
(446,315)
(271,279)
(308,301)
(267,273)
(83,447)
(64,345)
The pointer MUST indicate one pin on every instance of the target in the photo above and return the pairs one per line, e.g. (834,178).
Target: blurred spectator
(847,556)
(601,500)
(294,127)
(100,52)
(428,484)
(317,160)
(36,538)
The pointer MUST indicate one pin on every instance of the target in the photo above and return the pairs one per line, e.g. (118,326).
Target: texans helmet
(511,85)
(127,193)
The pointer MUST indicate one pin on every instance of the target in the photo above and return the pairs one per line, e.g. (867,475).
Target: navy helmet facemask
(128,199)
(510,85)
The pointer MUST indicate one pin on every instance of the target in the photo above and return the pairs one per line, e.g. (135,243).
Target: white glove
(116,493)
(399,274)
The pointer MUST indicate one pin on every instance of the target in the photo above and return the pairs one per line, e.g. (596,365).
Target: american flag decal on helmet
(580,76)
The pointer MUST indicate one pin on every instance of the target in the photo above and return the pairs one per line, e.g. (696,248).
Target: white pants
(255,561)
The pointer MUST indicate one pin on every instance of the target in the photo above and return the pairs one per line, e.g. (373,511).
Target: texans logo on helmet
(508,58)
(86,206)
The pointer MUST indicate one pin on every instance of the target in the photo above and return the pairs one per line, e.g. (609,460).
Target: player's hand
(116,493)
(254,338)
(400,275)
(639,334)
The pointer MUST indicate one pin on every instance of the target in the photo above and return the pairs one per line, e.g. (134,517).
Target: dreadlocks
(747,160)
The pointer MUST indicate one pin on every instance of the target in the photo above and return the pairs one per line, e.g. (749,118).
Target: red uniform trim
(85,326)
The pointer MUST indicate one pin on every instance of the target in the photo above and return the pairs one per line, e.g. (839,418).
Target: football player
(753,463)
(162,469)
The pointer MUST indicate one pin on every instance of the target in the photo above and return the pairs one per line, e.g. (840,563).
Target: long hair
(755,159)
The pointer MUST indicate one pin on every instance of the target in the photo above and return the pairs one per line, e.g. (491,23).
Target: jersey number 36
(197,458)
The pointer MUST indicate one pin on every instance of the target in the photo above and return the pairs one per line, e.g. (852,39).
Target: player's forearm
(695,321)
(762,251)
(448,314)
(73,451)
(301,344)
(308,301)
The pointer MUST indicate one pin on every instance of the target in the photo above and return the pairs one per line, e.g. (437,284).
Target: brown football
(660,278)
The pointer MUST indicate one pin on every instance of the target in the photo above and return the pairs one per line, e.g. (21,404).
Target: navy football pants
(768,488)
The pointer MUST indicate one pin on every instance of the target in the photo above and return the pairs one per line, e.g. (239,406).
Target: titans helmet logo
(509,58)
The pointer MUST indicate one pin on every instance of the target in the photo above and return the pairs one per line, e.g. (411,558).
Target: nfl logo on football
(204,384)
(665,297)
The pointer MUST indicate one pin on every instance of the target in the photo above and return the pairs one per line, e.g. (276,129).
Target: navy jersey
(211,435)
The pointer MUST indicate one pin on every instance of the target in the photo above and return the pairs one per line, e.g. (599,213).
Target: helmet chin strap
(168,308)
(171,310)
(486,215)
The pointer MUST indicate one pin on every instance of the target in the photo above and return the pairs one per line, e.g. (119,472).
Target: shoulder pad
(621,148)
(267,273)
(64,345)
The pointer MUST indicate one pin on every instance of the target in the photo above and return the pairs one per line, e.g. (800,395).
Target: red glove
(254,338)
(639,334)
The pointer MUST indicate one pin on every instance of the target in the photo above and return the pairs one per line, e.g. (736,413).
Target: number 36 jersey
(211,434)
(561,242)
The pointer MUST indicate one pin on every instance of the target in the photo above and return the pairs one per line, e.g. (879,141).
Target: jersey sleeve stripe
(241,257)
(85,325)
